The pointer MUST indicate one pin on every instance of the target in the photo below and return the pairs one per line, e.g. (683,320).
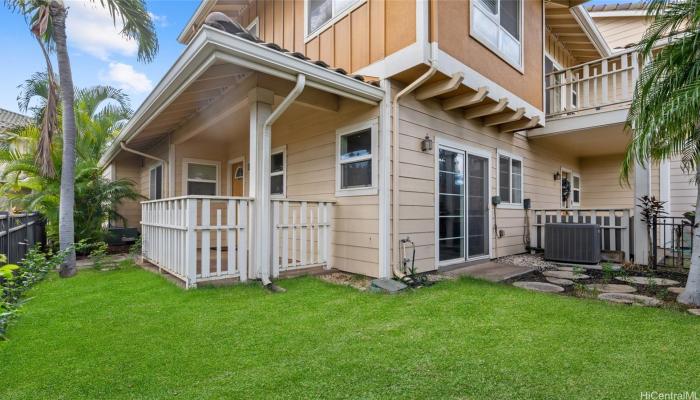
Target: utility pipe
(142,154)
(395,165)
(264,202)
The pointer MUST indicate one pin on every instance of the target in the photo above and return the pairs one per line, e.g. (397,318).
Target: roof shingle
(10,119)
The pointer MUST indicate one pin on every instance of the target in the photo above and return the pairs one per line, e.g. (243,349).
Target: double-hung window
(510,179)
(357,160)
(320,12)
(201,178)
(278,169)
(155,183)
(498,24)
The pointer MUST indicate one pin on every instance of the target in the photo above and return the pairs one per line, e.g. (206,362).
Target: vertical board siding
(373,30)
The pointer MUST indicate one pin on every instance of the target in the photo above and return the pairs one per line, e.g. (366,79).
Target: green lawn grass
(131,334)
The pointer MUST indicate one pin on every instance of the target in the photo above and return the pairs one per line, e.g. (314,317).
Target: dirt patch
(358,282)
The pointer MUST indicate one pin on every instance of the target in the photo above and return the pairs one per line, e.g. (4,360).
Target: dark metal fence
(673,242)
(18,233)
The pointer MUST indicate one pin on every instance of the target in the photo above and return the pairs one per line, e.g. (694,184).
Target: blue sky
(98,54)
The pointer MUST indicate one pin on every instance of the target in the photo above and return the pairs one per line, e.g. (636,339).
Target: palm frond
(138,25)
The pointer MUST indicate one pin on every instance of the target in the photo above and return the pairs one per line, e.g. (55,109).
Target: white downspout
(264,202)
(142,154)
(395,164)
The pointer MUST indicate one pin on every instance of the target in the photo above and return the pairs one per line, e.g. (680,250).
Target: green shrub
(15,280)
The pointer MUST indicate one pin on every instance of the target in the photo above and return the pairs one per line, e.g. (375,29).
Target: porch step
(491,271)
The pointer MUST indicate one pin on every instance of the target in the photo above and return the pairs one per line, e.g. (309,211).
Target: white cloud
(90,28)
(159,20)
(124,76)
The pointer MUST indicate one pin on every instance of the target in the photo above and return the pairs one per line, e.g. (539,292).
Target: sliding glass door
(463,199)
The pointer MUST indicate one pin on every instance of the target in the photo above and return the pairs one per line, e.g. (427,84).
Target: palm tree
(664,115)
(48,22)
(100,112)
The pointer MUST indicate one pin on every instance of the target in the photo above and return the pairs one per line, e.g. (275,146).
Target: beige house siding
(129,167)
(417,175)
(600,182)
(622,31)
(683,189)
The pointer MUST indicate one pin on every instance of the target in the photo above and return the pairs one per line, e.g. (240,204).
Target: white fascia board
(204,7)
(254,56)
(211,45)
(618,13)
(580,122)
(591,30)
(449,65)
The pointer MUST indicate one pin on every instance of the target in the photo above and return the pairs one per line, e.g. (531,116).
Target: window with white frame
(510,179)
(155,183)
(576,190)
(320,12)
(356,159)
(202,178)
(278,172)
(498,24)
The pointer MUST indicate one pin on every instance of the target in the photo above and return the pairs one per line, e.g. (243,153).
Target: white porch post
(260,101)
(642,186)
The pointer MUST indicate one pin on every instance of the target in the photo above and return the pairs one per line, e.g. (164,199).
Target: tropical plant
(665,110)
(48,22)
(100,113)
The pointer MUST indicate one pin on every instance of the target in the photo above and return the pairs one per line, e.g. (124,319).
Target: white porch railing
(614,223)
(603,83)
(197,238)
(301,234)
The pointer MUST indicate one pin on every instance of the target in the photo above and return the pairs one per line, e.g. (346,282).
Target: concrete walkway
(491,271)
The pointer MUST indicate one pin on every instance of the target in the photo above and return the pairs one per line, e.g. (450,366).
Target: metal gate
(673,242)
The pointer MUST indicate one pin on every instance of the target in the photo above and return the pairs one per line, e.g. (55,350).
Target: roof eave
(210,45)
(591,30)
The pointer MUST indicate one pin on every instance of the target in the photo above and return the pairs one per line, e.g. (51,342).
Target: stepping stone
(641,280)
(569,269)
(611,288)
(695,311)
(565,275)
(559,281)
(627,298)
(615,268)
(676,290)
(539,287)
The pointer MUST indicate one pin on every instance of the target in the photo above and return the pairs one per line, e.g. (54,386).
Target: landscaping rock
(528,260)
(627,298)
(676,289)
(387,286)
(611,288)
(565,275)
(642,280)
(559,281)
(695,311)
(539,287)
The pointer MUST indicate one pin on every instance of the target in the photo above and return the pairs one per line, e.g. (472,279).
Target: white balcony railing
(301,234)
(614,225)
(606,83)
(197,238)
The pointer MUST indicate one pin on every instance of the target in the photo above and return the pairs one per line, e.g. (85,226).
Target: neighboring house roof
(10,119)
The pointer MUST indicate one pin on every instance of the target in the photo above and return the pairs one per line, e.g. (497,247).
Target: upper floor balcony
(599,86)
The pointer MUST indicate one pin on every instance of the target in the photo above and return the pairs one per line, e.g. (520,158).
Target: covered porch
(238,147)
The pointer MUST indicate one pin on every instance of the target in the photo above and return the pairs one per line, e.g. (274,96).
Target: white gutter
(211,45)
(263,211)
(125,148)
(395,165)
